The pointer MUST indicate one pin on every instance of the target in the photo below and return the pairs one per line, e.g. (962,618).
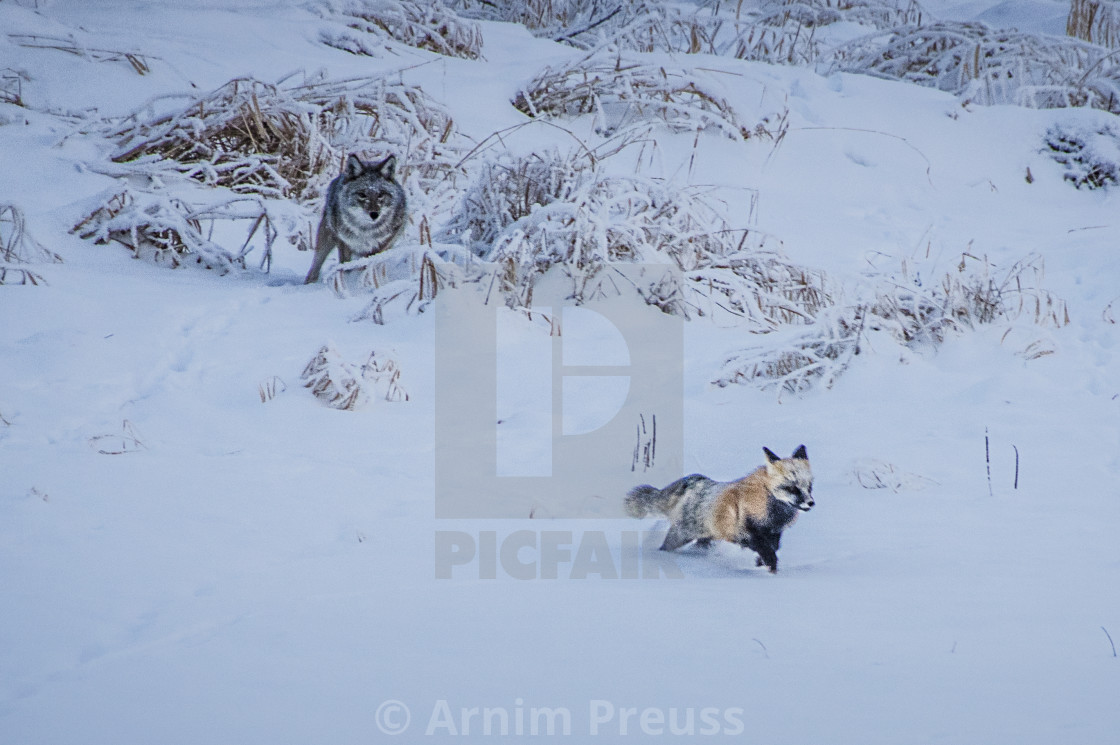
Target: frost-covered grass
(423,25)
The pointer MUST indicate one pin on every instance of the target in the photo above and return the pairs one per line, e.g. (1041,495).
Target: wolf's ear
(770,455)
(388,167)
(800,453)
(354,167)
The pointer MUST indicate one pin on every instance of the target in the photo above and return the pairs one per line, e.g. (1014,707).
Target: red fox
(752,511)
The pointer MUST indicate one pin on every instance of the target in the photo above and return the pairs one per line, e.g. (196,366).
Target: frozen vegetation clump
(286,139)
(622,90)
(416,23)
(1090,155)
(915,313)
(343,385)
(990,66)
(529,216)
(170,231)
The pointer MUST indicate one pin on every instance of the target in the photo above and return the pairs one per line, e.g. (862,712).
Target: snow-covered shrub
(287,139)
(990,66)
(795,360)
(582,23)
(620,90)
(506,190)
(1091,156)
(348,386)
(528,216)
(417,23)
(1096,21)
(779,31)
(815,13)
(913,312)
(167,230)
(775,31)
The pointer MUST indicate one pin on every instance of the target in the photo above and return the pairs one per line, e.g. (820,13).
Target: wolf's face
(370,190)
(372,201)
(791,479)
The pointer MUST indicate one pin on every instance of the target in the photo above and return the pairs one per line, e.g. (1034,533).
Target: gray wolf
(363,214)
(752,511)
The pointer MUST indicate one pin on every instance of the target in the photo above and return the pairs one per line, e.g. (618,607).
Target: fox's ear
(354,167)
(388,167)
(770,455)
(800,453)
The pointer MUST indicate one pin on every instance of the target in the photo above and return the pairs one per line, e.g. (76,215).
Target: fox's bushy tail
(646,500)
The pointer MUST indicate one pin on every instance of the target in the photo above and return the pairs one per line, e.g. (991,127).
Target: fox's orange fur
(740,500)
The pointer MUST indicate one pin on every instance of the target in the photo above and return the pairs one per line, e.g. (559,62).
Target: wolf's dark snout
(374,214)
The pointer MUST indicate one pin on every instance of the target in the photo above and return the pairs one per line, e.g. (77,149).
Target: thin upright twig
(1016,466)
(988,460)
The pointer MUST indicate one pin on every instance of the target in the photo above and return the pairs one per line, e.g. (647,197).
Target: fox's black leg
(748,542)
(767,548)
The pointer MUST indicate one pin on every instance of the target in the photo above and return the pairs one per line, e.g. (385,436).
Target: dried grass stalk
(138,62)
(878,474)
(404,279)
(15,275)
(127,441)
(17,246)
(11,86)
(1095,21)
(270,388)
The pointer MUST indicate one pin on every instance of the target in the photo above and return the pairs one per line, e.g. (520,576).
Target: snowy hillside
(235,508)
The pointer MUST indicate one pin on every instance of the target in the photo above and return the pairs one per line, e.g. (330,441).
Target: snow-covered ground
(181,562)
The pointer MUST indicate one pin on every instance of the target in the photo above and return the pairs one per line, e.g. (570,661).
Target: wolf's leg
(674,539)
(323,248)
(704,543)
